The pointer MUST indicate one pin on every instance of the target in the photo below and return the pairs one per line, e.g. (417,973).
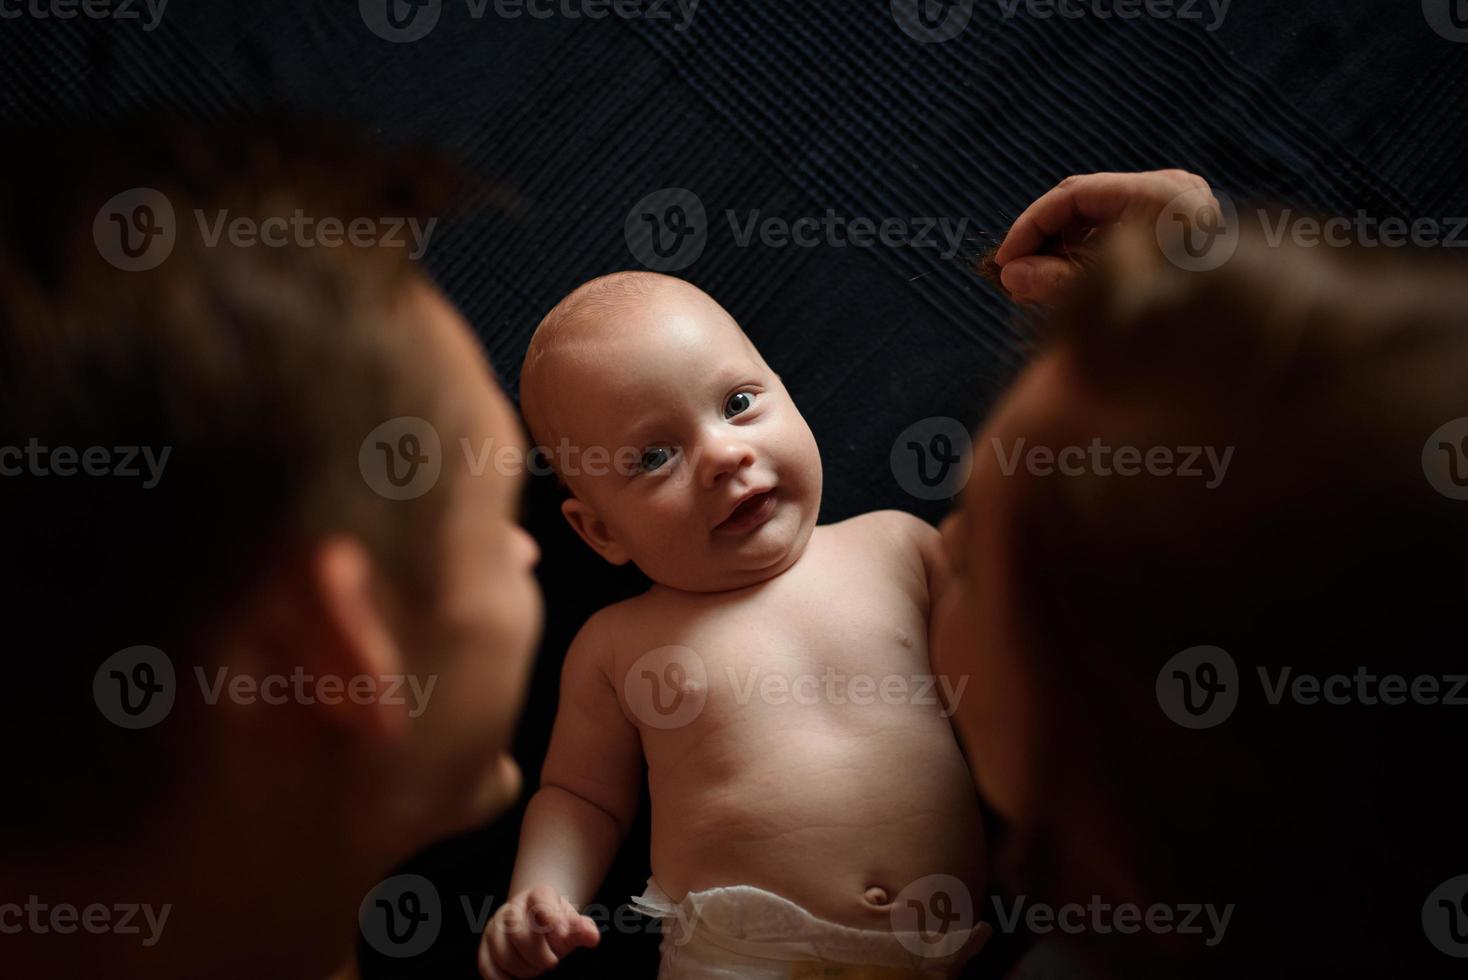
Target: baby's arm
(589,790)
(923,542)
(923,545)
(935,563)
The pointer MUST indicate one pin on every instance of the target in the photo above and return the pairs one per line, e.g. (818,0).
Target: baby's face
(715,482)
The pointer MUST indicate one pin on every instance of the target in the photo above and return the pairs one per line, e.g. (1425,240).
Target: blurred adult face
(454,768)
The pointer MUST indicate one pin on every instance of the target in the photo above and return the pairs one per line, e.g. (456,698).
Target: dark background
(788,108)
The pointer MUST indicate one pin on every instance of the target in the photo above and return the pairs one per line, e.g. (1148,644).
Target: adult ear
(593,531)
(353,637)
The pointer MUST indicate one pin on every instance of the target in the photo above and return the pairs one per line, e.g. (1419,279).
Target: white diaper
(740,932)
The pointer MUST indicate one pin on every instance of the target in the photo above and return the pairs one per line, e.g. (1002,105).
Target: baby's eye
(737,403)
(655,458)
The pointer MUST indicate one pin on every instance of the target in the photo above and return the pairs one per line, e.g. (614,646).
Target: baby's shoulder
(894,530)
(893,540)
(620,623)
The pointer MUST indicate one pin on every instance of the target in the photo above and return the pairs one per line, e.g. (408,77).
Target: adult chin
(502,788)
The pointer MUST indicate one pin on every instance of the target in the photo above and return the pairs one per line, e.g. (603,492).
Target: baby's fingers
(569,930)
(500,959)
(514,946)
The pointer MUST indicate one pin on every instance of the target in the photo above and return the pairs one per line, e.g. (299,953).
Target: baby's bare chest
(840,635)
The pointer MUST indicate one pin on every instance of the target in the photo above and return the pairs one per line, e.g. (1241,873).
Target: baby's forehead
(618,376)
(669,334)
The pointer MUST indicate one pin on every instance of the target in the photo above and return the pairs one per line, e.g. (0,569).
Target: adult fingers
(1038,278)
(1092,200)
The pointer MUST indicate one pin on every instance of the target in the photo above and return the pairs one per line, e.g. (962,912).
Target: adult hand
(1071,216)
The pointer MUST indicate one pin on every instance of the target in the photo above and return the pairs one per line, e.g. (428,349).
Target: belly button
(877,895)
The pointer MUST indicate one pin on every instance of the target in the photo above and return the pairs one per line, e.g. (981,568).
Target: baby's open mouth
(750,514)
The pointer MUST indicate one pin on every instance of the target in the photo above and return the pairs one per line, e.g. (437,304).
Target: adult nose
(528,547)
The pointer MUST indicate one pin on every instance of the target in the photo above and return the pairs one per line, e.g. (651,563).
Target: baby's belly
(835,817)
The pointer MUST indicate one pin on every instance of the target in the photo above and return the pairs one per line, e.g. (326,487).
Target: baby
(811,812)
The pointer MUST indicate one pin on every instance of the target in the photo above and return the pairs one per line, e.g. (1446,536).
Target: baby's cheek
(667,528)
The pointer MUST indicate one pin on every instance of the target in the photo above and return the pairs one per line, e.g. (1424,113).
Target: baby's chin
(740,561)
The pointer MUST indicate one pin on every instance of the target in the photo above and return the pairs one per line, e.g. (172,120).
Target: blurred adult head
(231,408)
(1249,460)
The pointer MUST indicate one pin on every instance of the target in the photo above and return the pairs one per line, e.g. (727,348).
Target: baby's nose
(723,457)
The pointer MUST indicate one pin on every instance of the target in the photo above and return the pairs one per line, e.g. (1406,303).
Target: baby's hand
(531,933)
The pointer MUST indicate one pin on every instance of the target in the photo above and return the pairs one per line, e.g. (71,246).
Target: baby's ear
(593,531)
